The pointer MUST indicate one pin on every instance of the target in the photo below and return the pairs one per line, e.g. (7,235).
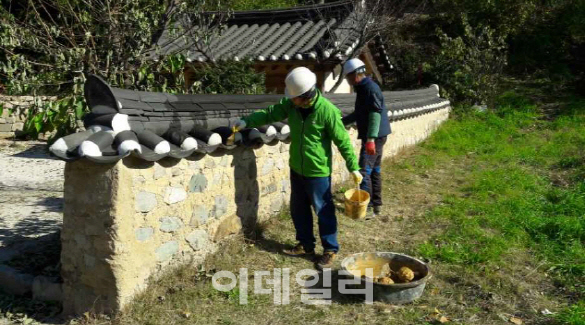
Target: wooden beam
(371,65)
(275,72)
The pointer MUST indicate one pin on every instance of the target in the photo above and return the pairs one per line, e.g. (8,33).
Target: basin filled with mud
(396,278)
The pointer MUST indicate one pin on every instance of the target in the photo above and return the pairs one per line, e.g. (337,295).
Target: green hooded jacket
(310,147)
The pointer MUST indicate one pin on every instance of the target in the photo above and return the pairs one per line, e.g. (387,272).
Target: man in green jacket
(314,123)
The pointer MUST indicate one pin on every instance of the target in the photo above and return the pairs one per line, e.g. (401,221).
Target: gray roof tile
(196,115)
(300,33)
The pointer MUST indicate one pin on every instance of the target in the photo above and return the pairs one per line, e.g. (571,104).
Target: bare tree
(367,20)
(55,42)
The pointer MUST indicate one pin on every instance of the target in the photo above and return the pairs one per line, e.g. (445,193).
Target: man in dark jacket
(371,117)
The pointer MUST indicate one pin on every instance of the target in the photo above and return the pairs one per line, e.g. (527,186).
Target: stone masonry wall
(12,123)
(126,222)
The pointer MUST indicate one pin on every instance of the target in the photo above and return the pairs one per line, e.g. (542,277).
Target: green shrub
(469,66)
(49,48)
(258,4)
(228,78)
(465,45)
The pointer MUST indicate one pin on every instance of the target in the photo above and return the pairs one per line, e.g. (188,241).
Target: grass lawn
(494,201)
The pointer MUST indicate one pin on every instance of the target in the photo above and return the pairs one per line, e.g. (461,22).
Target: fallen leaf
(186,314)
(516,320)
(437,317)
(503,317)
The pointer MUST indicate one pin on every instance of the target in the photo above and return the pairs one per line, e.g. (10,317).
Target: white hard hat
(352,65)
(299,81)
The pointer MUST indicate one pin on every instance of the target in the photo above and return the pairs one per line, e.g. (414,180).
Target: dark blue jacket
(369,99)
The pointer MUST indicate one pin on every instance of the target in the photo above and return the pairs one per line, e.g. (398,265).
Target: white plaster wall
(330,80)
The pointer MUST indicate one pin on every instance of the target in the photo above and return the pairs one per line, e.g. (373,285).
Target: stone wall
(12,123)
(126,222)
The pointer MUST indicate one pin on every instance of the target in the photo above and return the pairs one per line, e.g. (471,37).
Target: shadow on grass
(23,310)
(272,246)
(36,256)
(33,256)
(330,283)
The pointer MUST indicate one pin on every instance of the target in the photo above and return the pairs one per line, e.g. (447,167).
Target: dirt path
(31,192)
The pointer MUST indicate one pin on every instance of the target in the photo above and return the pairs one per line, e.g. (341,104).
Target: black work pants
(370,169)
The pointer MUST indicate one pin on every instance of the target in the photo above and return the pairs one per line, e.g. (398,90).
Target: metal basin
(397,293)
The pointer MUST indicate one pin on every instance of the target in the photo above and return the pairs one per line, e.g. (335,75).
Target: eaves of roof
(319,32)
(152,126)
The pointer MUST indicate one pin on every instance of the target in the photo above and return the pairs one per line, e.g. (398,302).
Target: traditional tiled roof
(152,125)
(301,33)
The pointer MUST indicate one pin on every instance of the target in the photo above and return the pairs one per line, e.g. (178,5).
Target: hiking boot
(326,260)
(298,250)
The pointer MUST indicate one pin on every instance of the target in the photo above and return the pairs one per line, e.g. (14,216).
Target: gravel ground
(31,192)
(31,214)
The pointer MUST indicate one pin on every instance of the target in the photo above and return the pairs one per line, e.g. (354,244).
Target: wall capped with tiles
(128,221)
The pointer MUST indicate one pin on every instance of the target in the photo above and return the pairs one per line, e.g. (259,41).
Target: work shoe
(326,260)
(298,250)
(370,213)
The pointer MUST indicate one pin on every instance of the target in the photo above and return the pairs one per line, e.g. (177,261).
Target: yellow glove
(239,125)
(357,177)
